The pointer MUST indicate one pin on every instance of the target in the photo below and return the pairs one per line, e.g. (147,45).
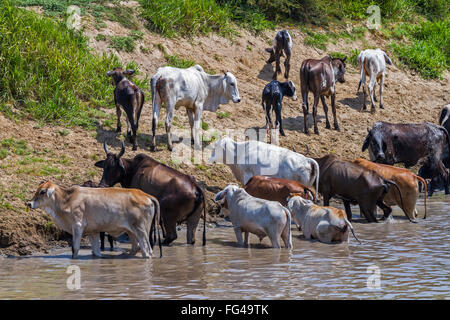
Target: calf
(282,45)
(276,189)
(319,77)
(128,96)
(78,210)
(407,183)
(91,184)
(353,184)
(250,158)
(391,143)
(272,96)
(326,224)
(372,63)
(253,215)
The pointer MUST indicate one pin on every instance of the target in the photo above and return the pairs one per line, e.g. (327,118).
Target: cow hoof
(282,133)
(372,111)
(152,148)
(118,129)
(316,131)
(169,148)
(134,148)
(337,128)
(327,126)
(381,106)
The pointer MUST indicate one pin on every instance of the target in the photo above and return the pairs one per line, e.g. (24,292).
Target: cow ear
(108,73)
(366,142)
(269,50)
(100,164)
(129,72)
(50,191)
(345,58)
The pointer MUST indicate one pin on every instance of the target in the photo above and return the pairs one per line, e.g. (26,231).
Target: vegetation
(49,72)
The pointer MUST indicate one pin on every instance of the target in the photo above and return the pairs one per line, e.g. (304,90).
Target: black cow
(272,96)
(281,44)
(426,172)
(131,98)
(390,143)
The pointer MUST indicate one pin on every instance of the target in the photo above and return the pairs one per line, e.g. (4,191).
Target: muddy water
(413,262)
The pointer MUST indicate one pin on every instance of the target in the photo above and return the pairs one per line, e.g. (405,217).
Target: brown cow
(276,189)
(131,98)
(406,181)
(353,184)
(180,196)
(319,77)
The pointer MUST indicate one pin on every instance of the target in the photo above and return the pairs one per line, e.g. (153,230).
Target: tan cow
(326,224)
(407,183)
(88,211)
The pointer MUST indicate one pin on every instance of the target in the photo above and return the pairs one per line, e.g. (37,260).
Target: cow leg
(111,243)
(333,108)
(316,102)
(325,110)
(95,245)
(277,66)
(192,223)
(102,241)
(169,117)
(372,84)
(305,106)
(190,115)
(381,91)
(119,114)
(197,126)
(287,65)
(77,231)
(171,232)
(386,209)
(134,244)
(326,199)
(156,110)
(134,131)
(275,241)
(238,233)
(144,243)
(279,119)
(348,210)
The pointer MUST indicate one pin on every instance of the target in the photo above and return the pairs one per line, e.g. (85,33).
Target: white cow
(194,89)
(326,224)
(254,215)
(251,158)
(372,63)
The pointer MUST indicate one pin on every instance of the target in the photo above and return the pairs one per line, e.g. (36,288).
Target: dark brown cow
(319,77)
(281,44)
(131,98)
(354,185)
(390,143)
(276,189)
(179,195)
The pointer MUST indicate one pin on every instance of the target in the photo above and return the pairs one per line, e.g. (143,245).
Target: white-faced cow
(326,224)
(319,77)
(272,97)
(254,215)
(282,46)
(372,63)
(251,158)
(195,90)
(128,96)
(88,211)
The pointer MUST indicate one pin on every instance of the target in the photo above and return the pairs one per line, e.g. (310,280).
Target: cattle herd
(279,186)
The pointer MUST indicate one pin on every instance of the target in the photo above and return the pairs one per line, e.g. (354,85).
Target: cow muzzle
(236,100)
(30,204)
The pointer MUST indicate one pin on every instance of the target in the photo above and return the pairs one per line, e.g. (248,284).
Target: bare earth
(72,152)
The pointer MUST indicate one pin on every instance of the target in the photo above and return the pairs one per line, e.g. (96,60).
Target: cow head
(339,69)
(113,168)
(377,146)
(118,74)
(223,149)
(272,55)
(42,196)
(222,196)
(289,90)
(230,86)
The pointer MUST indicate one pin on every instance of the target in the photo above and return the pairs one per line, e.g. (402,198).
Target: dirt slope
(67,156)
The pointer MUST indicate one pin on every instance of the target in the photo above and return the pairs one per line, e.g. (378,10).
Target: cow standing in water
(128,96)
(282,46)
(194,89)
(319,77)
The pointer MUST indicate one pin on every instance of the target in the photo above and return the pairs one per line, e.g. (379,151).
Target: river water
(397,260)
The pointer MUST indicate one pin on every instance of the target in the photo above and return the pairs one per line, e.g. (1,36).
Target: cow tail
(313,194)
(401,198)
(387,59)
(204,217)
(317,176)
(351,229)
(156,224)
(288,226)
(422,180)
(200,198)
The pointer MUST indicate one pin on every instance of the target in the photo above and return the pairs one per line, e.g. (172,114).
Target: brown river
(397,260)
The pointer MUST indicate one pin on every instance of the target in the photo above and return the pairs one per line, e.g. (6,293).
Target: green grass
(222,115)
(122,43)
(317,40)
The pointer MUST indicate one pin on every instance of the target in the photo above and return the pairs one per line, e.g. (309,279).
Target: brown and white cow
(320,77)
(88,211)
(326,224)
(406,181)
(282,46)
(277,189)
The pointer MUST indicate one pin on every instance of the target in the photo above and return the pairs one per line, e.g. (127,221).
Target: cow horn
(105,146)
(122,151)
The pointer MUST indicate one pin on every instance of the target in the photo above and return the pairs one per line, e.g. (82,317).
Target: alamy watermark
(374,21)
(73,282)
(374,279)
(74,19)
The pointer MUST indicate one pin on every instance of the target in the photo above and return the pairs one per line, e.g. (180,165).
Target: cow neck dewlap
(216,93)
